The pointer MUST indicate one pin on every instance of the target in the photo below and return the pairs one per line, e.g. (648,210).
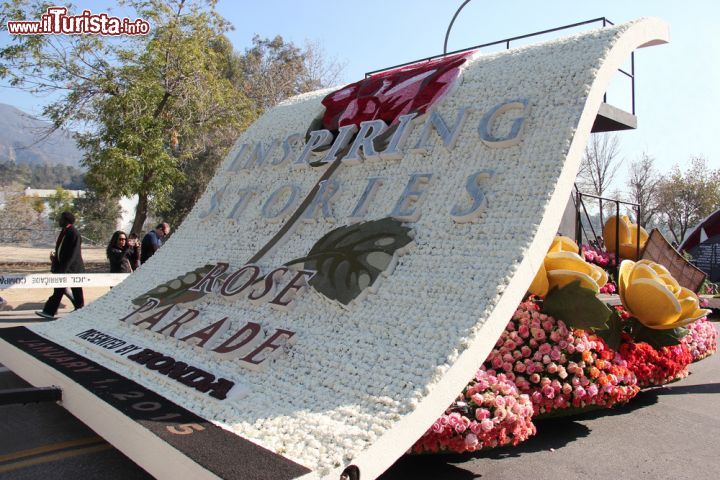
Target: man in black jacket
(153,240)
(67,258)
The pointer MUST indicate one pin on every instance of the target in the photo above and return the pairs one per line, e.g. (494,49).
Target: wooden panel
(659,250)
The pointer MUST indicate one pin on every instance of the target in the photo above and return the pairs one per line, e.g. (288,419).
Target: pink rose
(548,391)
(497,362)
(482,414)
(486,424)
(524,331)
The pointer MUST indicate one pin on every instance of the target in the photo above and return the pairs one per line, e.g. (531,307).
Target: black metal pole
(617,241)
(632,82)
(639,211)
(447,34)
(578,219)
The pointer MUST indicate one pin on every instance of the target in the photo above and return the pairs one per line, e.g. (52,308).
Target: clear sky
(677,87)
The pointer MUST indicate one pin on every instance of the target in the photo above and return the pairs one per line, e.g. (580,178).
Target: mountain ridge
(22,142)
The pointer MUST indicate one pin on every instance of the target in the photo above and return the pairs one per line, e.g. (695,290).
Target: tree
(642,185)
(157,112)
(59,202)
(599,166)
(98,217)
(600,163)
(273,70)
(19,221)
(145,100)
(38,204)
(686,197)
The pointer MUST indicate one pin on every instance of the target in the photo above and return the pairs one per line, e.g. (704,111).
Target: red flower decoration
(655,366)
(388,95)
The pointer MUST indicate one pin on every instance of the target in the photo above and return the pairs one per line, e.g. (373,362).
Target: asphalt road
(666,432)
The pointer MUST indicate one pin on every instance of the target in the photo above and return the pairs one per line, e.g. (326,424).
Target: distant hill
(20,142)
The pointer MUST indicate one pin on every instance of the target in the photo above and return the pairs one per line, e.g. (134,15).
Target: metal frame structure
(580,230)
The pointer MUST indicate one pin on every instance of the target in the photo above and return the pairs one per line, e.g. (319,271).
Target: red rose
(390,94)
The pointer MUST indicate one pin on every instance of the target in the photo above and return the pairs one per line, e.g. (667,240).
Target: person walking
(152,241)
(67,258)
(118,253)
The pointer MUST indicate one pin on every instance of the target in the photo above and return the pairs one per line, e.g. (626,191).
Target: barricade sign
(350,266)
(59,280)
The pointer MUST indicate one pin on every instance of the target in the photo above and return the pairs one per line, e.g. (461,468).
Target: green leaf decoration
(656,338)
(349,259)
(612,333)
(577,306)
(176,290)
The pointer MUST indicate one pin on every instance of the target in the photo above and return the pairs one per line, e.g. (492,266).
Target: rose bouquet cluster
(490,412)
(560,367)
(701,339)
(654,366)
(609,288)
(598,257)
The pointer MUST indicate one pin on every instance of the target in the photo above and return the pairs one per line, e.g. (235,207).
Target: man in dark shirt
(67,258)
(152,241)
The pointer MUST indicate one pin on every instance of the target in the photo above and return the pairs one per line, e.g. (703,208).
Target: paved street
(43,441)
(666,432)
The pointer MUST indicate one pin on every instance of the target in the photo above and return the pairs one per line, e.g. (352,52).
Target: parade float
(361,255)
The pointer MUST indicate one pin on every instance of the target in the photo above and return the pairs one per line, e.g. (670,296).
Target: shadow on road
(429,467)
(685,389)
(552,434)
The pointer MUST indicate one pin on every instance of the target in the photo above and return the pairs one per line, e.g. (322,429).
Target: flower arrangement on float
(560,367)
(565,351)
(597,256)
(604,260)
(653,366)
(490,412)
(701,339)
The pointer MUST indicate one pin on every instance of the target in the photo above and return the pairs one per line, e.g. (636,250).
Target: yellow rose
(563,265)
(627,236)
(651,294)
